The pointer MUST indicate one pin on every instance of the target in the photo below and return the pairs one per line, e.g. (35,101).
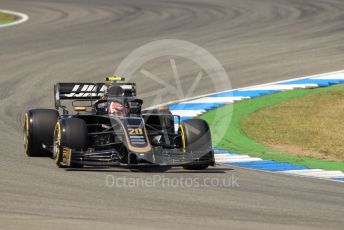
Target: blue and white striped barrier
(196,106)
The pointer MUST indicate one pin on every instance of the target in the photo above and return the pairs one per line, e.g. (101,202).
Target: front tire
(69,134)
(195,137)
(38,131)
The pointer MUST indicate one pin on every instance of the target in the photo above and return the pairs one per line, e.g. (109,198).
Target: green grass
(6,18)
(309,126)
(231,136)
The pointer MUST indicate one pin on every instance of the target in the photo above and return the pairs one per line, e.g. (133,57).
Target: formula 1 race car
(109,128)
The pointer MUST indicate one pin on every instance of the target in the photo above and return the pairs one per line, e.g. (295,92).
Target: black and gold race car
(108,128)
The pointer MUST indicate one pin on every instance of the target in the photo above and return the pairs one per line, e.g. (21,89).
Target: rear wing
(87,91)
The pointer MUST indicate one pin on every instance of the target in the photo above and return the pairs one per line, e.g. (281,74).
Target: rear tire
(69,133)
(195,137)
(38,130)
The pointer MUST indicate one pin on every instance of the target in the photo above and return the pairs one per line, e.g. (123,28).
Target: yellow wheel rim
(26,132)
(57,141)
(183,137)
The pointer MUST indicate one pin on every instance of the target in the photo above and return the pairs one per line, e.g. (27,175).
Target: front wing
(159,157)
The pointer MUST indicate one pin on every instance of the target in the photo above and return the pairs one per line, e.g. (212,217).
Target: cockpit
(119,102)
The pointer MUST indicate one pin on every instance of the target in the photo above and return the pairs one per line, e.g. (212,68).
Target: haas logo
(86,91)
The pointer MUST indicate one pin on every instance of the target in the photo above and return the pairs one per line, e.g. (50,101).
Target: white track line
(338,76)
(22,18)
(316,173)
(282,87)
(226,158)
(222,155)
(187,113)
(215,100)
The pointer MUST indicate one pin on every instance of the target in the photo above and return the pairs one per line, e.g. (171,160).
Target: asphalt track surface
(257,41)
